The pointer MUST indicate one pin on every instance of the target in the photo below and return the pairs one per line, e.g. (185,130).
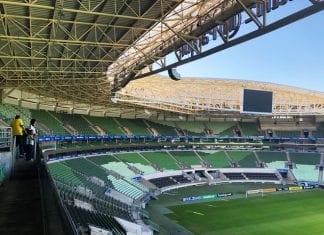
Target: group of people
(25,137)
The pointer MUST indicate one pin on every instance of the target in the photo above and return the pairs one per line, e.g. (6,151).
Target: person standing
(31,135)
(17,126)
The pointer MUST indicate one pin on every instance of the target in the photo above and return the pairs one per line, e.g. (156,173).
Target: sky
(292,55)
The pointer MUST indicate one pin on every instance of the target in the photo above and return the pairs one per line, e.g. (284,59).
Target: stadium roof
(73,53)
(216,97)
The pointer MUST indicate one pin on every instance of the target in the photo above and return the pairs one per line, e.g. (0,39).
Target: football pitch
(281,214)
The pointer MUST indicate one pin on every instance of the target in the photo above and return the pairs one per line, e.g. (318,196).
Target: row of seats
(58,124)
(86,125)
(250,176)
(151,162)
(100,202)
(169,181)
(126,188)
(163,182)
(84,217)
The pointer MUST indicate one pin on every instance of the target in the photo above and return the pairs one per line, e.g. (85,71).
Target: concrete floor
(21,200)
(20,207)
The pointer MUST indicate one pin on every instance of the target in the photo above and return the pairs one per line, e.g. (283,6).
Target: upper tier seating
(192,126)
(190,129)
(305,164)
(49,121)
(162,129)
(305,158)
(188,158)
(221,128)
(135,126)
(217,159)
(288,133)
(161,160)
(244,158)
(273,159)
(107,124)
(249,129)
(78,123)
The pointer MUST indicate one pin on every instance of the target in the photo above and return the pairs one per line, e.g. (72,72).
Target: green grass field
(281,214)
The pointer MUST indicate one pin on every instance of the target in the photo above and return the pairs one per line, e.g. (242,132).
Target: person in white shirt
(31,135)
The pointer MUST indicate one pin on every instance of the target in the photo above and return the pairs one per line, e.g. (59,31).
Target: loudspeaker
(173,74)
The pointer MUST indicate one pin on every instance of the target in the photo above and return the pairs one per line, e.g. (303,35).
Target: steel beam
(87,12)
(267,29)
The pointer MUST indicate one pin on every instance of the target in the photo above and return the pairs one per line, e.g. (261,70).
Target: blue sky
(292,55)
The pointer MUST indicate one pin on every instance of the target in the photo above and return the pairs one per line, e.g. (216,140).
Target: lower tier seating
(163,182)
(84,218)
(234,176)
(261,176)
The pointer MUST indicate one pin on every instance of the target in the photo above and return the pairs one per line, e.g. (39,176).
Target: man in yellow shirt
(17,126)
